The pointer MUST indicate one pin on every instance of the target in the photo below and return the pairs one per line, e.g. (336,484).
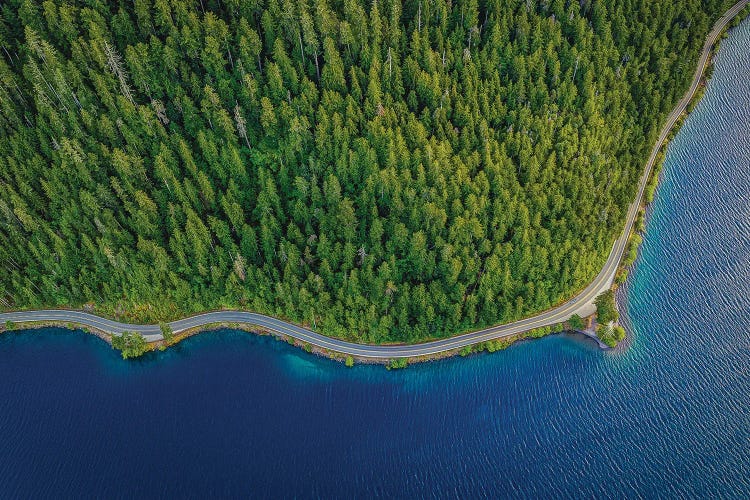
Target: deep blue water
(231,414)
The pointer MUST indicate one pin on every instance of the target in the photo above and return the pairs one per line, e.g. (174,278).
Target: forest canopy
(379,170)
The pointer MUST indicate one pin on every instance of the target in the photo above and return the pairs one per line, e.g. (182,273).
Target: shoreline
(349,360)
(492,338)
(654,179)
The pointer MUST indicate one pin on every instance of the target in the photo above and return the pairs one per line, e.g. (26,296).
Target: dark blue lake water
(231,414)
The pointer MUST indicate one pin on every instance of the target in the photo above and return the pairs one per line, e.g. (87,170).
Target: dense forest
(379,170)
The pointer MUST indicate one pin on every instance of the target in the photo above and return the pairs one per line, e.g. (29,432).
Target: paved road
(581,304)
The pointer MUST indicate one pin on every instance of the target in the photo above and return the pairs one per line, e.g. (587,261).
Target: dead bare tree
(240,121)
(239,267)
(114,61)
(160,110)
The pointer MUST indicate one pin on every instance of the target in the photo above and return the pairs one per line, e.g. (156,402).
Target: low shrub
(397,363)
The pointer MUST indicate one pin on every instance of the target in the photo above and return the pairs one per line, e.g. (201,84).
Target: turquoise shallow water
(230,414)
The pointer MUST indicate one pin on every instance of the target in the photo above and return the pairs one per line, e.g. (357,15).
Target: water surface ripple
(229,414)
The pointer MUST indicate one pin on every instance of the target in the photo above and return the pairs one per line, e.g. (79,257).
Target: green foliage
(385,172)
(576,322)
(631,253)
(604,332)
(653,182)
(9,325)
(619,333)
(397,363)
(621,277)
(167,333)
(700,92)
(740,17)
(606,309)
(130,344)
(499,344)
(538,332)
(640,221)
(349,361)
(650,191)
(610,335)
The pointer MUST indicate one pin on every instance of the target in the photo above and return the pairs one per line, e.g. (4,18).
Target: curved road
(582,303)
